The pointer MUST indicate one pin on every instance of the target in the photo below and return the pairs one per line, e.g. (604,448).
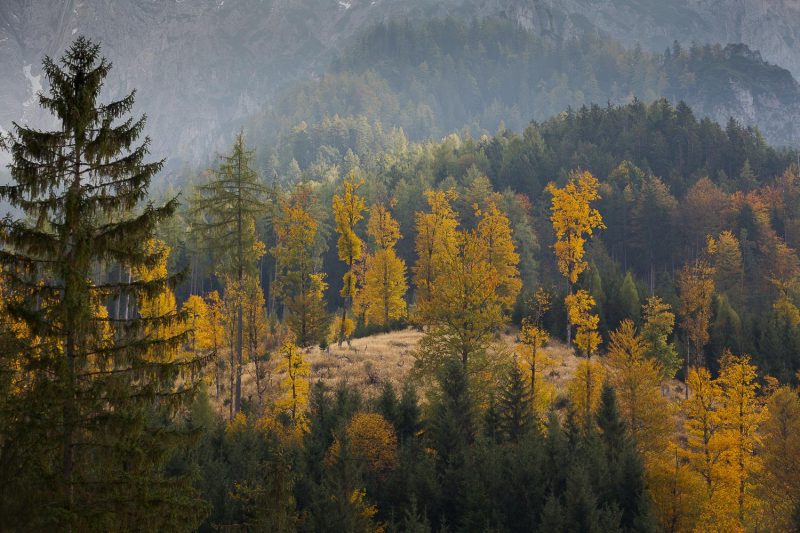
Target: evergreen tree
(102,392)
(514,409)
(629,299)
(226,209)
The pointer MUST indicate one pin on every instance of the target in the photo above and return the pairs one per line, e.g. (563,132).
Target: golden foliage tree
(466,300)
(695,289)
(742,413)
(780,477)
(637,383)
(385,277)
(299,285)
(579,306)
(532,339)
(728,270)
(585,388)
(155,307)
(347,212)
(436,239)
(372,439)
(294,399)
(574,221)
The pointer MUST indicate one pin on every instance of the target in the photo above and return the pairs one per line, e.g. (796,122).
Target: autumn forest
(590,325)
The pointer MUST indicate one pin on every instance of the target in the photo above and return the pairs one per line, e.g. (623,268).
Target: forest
(604,307)
(443,75)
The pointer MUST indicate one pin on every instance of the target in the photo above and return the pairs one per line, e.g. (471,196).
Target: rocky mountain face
(202,66)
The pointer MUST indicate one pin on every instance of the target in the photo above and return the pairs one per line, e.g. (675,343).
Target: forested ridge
(162,358)
(435,77)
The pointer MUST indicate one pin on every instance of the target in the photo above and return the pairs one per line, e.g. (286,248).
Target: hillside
(203,67)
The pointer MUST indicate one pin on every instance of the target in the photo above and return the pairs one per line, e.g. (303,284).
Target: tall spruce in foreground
(99,393)
(225,210)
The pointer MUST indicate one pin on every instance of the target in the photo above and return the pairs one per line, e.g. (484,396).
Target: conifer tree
(656,330)
(299,284)
(574,220)
(226,209)
(629,299)
(695,287)
(533,337)
(294,399)
(514,408)
(637,383)
(385,278)
(100,403)
(348,211)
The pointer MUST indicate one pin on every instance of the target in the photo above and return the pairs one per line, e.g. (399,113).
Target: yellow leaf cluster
(574,220)
(579,306)
(295,386)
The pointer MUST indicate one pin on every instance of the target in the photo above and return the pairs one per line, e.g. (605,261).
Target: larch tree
(695,289)
(726,253)
(385,277)
(436,238)
(532,339)
(637,382)
(574,221)
(467,299)
(299,285)
(295,387)
(706,448)
(162,303)
(99,403)
(225,210)
(579,306)
(742,413)
(780,477)
(348,211)
(585,389)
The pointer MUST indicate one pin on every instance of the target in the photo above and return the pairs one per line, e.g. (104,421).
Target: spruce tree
(515,417)
(102,392)
(225,211)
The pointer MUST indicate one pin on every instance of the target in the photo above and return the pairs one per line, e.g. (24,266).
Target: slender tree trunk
(239,322)
(569,326)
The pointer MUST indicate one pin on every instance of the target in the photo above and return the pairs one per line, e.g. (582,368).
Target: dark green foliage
(629,299)
(515,417)
(624,487)
(102,392)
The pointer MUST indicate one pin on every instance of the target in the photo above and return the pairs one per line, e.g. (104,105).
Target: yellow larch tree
(677,491)
(780,477)
(464,304)
(232,303)
(385,277)
(436,239)
(495,230)
(256,331)
(706,451)
(211,335)
(585,389)
(295,387)
(574,221)
(158,309)
(299,285)
(372,439)
(742,413)
(695,289)
(348,210)
(579,306)
(637,383)
(530,353)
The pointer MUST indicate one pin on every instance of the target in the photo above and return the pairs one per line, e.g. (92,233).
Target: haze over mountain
(204,67)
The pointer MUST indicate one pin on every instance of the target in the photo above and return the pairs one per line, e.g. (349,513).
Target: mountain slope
(202,66)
